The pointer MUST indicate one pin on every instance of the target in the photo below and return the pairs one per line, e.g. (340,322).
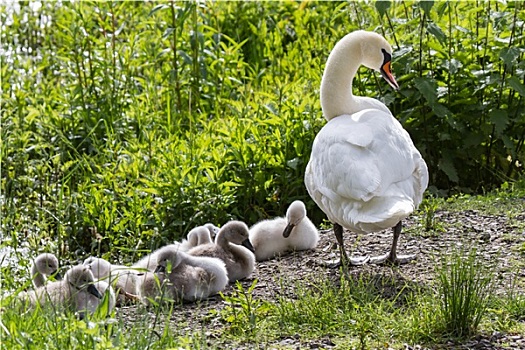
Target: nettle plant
(145,120)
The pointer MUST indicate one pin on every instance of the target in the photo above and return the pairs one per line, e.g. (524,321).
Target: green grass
(45,327)
(356,312)
(465,287)
(362,310)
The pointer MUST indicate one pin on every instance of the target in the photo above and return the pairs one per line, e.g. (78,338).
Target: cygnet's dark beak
(287,230)
(246,243)
(57,275)
(93,290)
(386,70)
(160,268)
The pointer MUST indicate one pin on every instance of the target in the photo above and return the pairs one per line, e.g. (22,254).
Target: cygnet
(274,237)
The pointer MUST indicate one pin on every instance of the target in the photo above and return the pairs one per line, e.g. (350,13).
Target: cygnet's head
(237,232)
(295,213)
(377,54)
(213,230)
(168,258)
(199,235)
(80,277)
(47,264)
(101,268)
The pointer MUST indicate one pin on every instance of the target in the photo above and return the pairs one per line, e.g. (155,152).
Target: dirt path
(499,242)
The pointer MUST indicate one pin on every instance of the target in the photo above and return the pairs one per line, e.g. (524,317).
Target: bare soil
(499,241)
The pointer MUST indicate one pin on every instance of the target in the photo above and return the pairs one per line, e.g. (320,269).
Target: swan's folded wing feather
(358,135)
(343,166)
(421,176)
(365,172)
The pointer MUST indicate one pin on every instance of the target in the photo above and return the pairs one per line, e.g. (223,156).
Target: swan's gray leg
(392,257)
(345,260)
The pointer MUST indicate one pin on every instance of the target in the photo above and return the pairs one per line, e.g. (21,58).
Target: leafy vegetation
(126,124)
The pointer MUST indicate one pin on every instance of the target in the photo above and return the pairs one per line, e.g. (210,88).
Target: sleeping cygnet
(197,236)
(67,293)
(45,265)
(275,237)
(189,277)
(151,287)
(123,278)
(232,245)
(149,262)
(213,230)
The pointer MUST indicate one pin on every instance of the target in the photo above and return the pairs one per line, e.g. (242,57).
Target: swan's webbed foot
(346,261)
(396,260)
(358,261)
(392,258)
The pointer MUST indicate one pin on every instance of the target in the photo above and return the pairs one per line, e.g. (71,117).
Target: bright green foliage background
(125,124)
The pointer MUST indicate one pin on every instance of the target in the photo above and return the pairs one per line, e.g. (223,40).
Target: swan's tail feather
(380,213)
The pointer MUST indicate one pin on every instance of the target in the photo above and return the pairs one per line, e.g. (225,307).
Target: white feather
(364,171)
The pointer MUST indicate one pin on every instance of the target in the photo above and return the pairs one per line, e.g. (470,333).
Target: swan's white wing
(364,171)
(421,179)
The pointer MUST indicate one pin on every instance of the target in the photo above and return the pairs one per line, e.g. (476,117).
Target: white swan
(46,264)
(364,171)
(67,293)
(190,277)
(277,236)
(124,279)
(232,245)
(197,236)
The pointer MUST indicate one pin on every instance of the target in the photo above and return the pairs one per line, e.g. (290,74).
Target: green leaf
(500,119)
(167,32)
(426,5)
(427,87)
(230,184)
(441,111)
(382,7)
(158,8)
(509,55)
(441,7)
(516,84)
(436,31)
(445,165)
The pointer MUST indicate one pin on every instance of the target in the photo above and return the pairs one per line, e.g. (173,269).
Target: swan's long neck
(222,241)
(336,86)
(199,261)
(38,279)
(190,259)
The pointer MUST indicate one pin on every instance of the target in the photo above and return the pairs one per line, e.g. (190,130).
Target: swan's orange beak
(386,72)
